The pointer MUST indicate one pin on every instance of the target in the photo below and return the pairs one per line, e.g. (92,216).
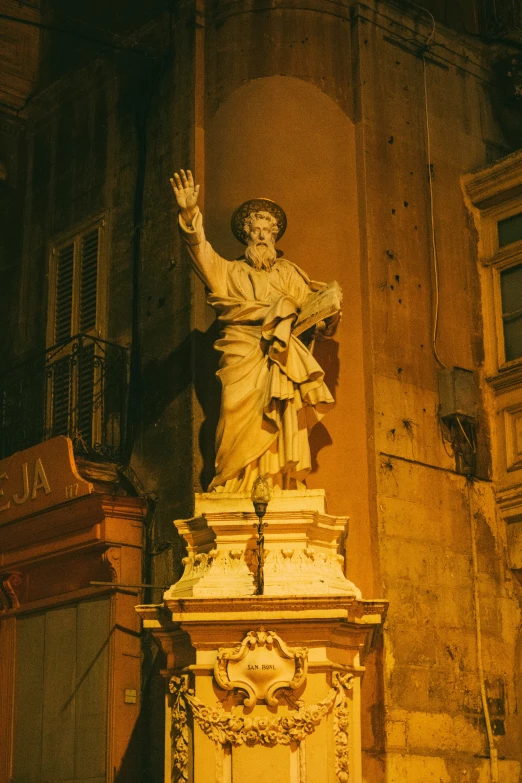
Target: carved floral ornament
(235,729)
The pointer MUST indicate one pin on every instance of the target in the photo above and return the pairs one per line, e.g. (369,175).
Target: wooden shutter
(85,394)
(61,396)
(76,284)
(74,371)
(88,279)
(64,293)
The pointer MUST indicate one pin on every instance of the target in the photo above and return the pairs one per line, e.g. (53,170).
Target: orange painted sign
(38,478)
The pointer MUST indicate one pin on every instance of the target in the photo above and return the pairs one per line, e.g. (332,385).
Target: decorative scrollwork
(9,582)
(112,558)
(290,675)
(235,729)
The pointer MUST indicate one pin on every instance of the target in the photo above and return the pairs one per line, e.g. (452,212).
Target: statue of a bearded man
(273,388)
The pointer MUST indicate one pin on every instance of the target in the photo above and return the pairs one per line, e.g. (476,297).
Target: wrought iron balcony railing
(77,388)
(501,17)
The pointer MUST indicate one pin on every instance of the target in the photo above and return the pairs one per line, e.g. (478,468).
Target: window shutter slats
(73,408)
(88,279)
(61,400)
(64,293)
(85,394)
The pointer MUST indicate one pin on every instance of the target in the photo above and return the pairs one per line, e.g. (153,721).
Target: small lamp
(260,498)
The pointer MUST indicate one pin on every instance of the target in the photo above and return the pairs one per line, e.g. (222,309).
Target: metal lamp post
(260,498)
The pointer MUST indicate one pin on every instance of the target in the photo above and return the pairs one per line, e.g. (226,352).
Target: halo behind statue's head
(257,205)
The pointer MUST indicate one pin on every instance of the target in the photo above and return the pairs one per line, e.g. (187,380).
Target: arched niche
(282,138)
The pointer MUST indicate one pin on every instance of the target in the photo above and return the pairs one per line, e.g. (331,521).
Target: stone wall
(434,729)
(326,108)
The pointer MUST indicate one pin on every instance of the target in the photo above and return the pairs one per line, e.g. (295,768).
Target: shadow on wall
(143,758)
(327,354)
(208,393)
(164,380)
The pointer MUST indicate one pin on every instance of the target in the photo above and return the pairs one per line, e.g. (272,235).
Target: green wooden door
(61,692)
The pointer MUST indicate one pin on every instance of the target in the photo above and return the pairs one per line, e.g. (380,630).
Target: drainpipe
(493,753)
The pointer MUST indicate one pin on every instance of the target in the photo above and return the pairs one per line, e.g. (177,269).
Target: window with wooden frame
(506,265)
(74,285)
(501,242)
(494,197)
(75,322)
(509,290)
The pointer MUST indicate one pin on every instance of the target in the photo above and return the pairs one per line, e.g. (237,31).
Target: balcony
(501,17)
(77,388)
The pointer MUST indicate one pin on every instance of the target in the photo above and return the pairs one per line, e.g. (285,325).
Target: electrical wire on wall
(493,753)
(436,293)
(434,255)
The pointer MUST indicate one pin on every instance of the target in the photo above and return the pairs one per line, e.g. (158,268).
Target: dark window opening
(510,230)
(511,294)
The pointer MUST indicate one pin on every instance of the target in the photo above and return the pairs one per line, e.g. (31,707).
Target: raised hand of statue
(186,194)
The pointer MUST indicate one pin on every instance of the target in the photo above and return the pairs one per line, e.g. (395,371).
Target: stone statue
(273,388)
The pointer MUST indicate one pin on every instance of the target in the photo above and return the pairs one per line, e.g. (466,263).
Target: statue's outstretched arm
(208,265)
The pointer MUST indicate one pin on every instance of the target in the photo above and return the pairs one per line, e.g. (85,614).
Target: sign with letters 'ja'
(39,478)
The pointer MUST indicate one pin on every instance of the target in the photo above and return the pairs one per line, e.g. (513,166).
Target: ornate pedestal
(302,547)
(264,688)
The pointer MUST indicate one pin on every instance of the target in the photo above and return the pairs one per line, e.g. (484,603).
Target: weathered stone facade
(361,119)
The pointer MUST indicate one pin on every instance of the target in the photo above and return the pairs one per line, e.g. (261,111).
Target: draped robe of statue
(273,389)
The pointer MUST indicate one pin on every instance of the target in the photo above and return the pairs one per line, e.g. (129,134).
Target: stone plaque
(261,665)
(38,478)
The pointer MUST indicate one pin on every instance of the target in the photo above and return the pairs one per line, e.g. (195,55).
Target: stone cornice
(404,26)
(341,606)
(78,524)
(345,623)
(408,26)
(340,8)
(490,185)
(507,379)
(171,613)
(60,551)
(414,28)
(509,501)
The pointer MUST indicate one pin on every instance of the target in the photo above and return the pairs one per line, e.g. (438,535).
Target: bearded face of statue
(261,251)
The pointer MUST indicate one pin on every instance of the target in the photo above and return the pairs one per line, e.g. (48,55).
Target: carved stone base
(270,686)
(303,547)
